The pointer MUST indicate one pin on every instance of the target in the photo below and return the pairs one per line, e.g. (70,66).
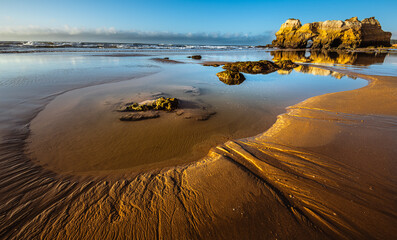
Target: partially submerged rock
(350,33)
(137,116)
(214,63)
(167,104)
(231,77)
(286,64)
(211,65)
(197,57)
(262,66)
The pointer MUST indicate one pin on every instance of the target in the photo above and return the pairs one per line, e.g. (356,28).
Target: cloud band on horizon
(67,33)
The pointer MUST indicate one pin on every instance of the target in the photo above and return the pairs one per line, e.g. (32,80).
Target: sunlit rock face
(350,33)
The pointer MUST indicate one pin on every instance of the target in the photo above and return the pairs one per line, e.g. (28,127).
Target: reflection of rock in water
(321,72)
(313,70)
(331,57)
(284,72)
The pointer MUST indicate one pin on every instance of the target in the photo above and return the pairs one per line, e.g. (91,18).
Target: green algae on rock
(231,77)
(286,64)
(197,57)
(167,104)
(262,66)
(350,33)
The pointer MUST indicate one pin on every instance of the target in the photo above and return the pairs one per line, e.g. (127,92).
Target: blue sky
(228,22)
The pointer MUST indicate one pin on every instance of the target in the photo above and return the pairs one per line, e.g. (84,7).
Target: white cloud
(68,33)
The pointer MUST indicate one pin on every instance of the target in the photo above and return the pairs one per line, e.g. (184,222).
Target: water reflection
(331,57)
(327,57)
(320,72)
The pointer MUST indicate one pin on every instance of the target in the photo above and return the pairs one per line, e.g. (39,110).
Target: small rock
(161,103)
(253,67)
(197,57)
(231,77)
(286,64)
(211,65)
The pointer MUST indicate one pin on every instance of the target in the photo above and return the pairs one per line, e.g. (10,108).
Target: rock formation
(350,33)
(167,104)
(262,66)
(231,77)
(197,57)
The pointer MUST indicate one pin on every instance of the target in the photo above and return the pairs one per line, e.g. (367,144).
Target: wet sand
(79,132)
(325,169)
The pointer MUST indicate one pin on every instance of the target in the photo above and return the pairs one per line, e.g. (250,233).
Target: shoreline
(246,160)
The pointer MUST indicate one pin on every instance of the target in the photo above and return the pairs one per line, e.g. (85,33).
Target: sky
(249,22)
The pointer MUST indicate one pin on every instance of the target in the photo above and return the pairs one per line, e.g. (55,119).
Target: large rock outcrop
(350,33)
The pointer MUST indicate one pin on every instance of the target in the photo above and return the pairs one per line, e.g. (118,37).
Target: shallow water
(281,187)
(79,132)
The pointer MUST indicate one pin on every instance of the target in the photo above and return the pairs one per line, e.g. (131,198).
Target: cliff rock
(350,33)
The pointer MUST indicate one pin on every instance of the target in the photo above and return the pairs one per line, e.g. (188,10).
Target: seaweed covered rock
(262,66)
(286,64)
(197,57)
(167,104)
(231,77)
(350,33)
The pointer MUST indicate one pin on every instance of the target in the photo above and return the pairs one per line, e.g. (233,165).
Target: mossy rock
(256,67)
(197,57)
(167,104)
(286,64)
(231,77)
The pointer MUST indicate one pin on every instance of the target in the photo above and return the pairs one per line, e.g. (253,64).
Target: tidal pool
(80,132)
